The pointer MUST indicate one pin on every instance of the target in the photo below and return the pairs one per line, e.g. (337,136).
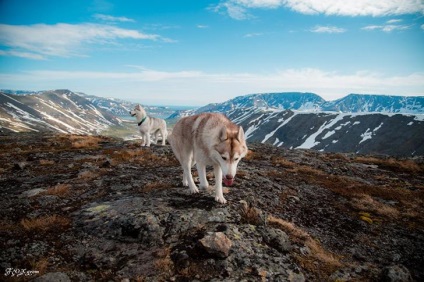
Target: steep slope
(391,134)
(60,110)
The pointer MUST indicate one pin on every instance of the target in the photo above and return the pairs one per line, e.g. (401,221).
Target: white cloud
(63,40)
(389,26)
(394,21)
(202,26)
(357,7)
(422,26)
(22,55)
(201,88)
(327,29)
(233,10)
(270,4)
(327,7)
(254,34)
(109,18)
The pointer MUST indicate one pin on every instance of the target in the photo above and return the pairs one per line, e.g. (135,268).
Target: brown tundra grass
(79,142)
(46,162)
(144,157)
(251,155)
(60,190)
(40,265)
(282,162)
(45,223)
(157,185)
(393,164)
(163,262)
(327,261)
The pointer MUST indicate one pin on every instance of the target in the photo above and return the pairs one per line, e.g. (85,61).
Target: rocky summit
(93,208)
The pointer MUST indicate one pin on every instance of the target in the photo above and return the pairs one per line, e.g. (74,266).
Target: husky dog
(208,139)
(149,125)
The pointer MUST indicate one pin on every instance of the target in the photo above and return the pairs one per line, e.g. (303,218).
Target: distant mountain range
(352,103)
(378,124)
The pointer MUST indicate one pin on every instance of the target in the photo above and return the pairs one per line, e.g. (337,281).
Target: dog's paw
(206,187)
(194,190)
(220,199)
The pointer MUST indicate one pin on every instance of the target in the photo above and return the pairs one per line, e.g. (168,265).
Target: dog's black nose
(229,177)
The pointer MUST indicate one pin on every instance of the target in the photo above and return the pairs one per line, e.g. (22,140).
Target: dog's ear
(240,135)
(223,133)
(138,107)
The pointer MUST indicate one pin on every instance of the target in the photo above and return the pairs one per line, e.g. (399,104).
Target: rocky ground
(83,208)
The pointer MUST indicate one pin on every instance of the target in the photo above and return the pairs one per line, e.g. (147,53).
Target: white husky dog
(149,125)
(208,139)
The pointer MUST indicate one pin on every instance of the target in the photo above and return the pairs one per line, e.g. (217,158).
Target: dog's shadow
(190,201)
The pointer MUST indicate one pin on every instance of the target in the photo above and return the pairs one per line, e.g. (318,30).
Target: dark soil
(87,208)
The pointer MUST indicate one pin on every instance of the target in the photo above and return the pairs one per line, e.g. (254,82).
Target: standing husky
(148,125)
(208,139)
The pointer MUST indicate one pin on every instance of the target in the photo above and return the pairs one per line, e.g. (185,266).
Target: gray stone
(295,276)
(33,192)
(396,273)
(20,165)
(216,243)
(48,200)
(276,238)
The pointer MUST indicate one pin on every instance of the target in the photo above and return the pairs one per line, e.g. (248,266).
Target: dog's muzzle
(132,114)
(228,180)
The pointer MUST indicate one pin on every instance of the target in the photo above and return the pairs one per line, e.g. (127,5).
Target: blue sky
(196,52)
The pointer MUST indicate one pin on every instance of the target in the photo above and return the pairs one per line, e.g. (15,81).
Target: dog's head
(137,109)
(229,151)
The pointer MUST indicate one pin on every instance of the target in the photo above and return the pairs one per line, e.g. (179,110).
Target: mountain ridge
(305,101)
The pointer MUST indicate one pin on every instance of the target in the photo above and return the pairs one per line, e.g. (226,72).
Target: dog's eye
(224,158)
(236,159)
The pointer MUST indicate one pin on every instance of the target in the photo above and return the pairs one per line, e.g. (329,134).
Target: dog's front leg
(189,178)
(147,139)
(143,140)
(201,169)
(219,196)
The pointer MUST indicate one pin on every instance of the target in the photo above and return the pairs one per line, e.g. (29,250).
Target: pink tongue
(228,182)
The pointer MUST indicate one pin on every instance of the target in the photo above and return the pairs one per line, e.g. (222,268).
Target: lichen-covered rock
(276,238)
(396,273)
